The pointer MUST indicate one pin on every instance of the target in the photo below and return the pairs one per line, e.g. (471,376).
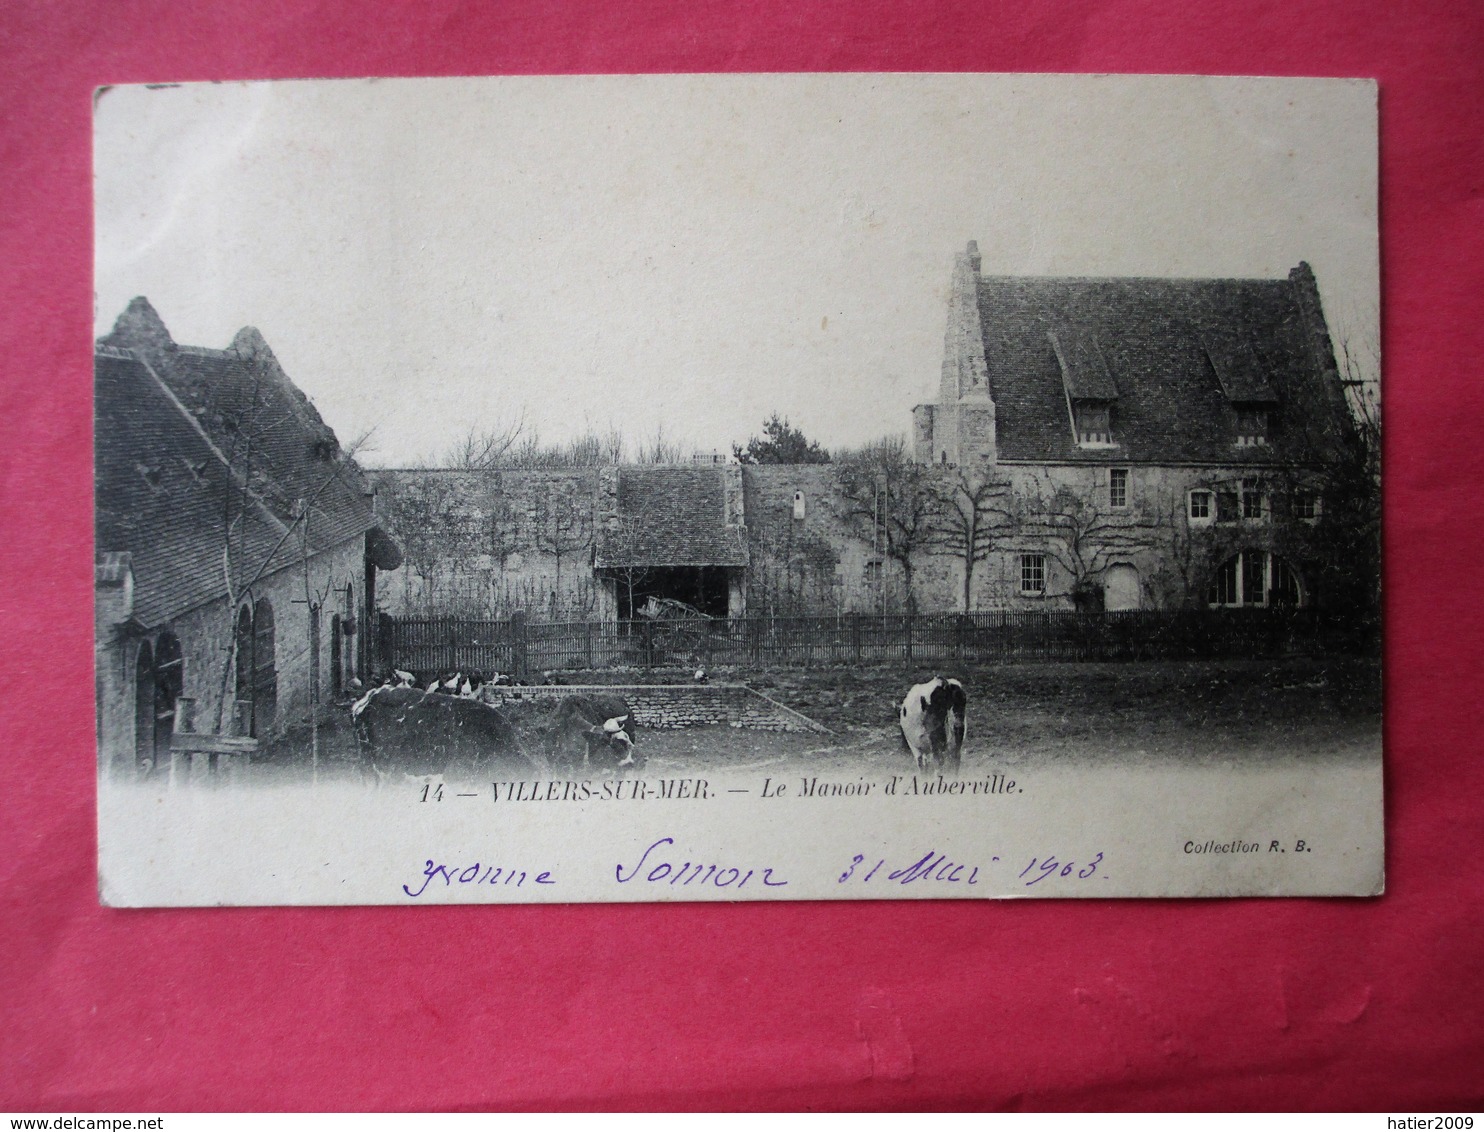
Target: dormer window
(1088,384)
(1243,377)
(1252,427)
(1094,423)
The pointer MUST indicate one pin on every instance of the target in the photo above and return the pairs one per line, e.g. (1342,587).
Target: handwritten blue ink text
(662,871)
(476,874)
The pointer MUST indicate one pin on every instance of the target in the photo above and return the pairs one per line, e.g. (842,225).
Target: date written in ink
(934,868)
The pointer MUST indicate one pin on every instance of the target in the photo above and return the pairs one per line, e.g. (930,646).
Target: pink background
(1374,1004)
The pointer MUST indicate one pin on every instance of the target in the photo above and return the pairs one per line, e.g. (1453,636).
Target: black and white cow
(603,724)
(934,717)
(426,733)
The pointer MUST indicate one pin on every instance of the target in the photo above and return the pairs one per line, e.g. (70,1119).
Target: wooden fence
(521,647)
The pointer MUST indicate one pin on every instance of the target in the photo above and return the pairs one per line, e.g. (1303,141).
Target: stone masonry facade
(1099,444)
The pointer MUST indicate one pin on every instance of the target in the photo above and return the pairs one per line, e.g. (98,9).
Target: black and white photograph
(737,487)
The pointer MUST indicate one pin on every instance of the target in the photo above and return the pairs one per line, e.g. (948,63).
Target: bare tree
(484,446)
(1349,523)
(563,528)
(662,448)
(1082,533)
(587,450)
(341,463)
(425,512)
(891,502)
(974,511)
(620,543)
(792,569)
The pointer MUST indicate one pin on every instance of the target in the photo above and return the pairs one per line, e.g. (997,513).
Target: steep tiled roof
(1179,353)
(163,495)
(1237,368)
(1083,370)
(260,420)
(673,517)
(184,435)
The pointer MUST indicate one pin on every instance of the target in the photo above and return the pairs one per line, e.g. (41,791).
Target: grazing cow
(426,733)
(603,724)
(934,718)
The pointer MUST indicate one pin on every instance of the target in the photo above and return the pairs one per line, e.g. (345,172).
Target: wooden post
(518,654)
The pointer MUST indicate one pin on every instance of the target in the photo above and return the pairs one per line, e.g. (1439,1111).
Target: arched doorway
(265,671)
(257,675)
(337,686)
(144,709)
(1121,589)
(169,673)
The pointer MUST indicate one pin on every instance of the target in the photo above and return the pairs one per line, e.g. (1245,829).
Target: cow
(428,733)
(934,718)
(603,724)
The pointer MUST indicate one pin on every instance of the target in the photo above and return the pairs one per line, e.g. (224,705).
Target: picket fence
(522,647)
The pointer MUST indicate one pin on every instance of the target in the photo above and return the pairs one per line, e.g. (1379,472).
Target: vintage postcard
(734,487)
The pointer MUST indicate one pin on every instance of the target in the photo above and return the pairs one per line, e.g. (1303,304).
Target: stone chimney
(963,424)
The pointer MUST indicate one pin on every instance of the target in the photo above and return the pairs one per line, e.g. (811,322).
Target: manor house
(1098,443)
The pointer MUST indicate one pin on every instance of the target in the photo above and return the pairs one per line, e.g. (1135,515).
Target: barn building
(236,545)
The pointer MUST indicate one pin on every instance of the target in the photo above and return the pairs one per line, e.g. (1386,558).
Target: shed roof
(672,516)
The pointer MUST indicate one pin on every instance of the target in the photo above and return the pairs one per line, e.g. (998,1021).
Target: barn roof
(1176,357)
(672,516)
(214,427)
(162,494)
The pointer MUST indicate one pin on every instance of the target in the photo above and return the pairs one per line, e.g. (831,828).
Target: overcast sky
(692,251)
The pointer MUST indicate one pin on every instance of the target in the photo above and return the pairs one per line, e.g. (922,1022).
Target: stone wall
(670,706)
(470,537)
(488,543)
(205,635)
